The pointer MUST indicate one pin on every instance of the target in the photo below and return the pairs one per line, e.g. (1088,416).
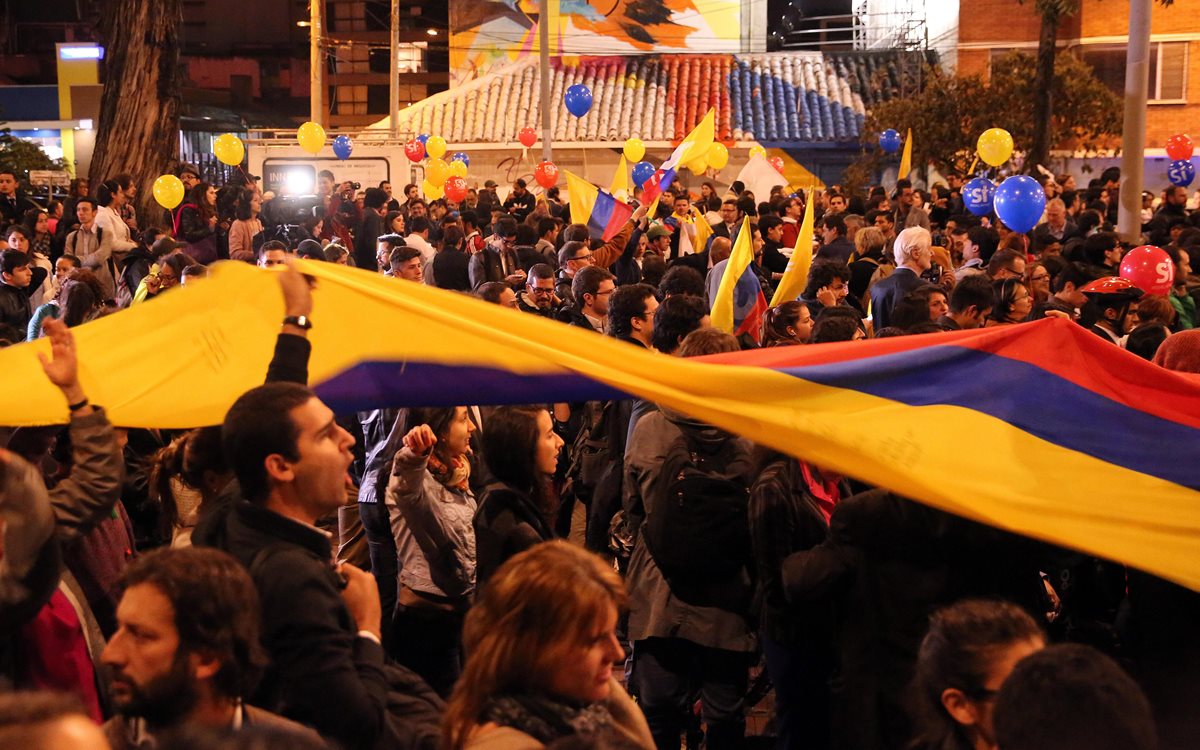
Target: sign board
(298,176)
(47,177)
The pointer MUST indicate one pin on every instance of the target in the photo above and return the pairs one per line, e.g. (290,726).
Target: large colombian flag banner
(1042,428)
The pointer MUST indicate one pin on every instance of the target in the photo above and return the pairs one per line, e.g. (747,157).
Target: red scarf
(827,491)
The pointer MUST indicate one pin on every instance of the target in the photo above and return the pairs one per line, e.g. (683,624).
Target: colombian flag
(1042,428)
(740,305)
(603,214)
(699,141)
(795,276)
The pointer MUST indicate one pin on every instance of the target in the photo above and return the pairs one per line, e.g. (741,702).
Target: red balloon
(1150,268)
(546,174)
(527,136)
(1179,147)
(414,150)
(456,189)
(777,162)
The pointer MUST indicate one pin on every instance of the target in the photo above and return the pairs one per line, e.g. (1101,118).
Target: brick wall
(1003,22)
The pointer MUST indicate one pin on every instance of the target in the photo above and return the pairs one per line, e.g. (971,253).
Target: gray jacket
(654,611)
(432,525)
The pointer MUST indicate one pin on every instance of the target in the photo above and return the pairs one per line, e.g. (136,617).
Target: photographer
(344,214)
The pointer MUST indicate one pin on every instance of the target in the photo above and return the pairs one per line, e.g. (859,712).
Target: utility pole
(1133,134)
(394,69)
(316,60)
(544,75)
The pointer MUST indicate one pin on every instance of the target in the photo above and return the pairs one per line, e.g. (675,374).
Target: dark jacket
(785,518)
(887,565)
(840,250)
(195,230)
(12,211)
(886,293)
(520,206)
(506,523)
(698,261)
(451,270)
(14,308)
(484,266)
(626,268)
(321,672)
(127,734)
(366,238)
(572,315)
(773,259)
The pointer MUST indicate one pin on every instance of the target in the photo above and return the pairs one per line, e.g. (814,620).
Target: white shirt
(420,243)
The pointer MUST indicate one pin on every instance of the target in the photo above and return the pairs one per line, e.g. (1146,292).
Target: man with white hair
(914,255)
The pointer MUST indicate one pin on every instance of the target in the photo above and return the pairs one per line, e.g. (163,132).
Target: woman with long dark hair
(431,508)
(196,223)
(1012,303)
(246,224)
(521,450)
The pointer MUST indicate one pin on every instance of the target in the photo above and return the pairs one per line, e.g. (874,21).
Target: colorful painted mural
(483,34)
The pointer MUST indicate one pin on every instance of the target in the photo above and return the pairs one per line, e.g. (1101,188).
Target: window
(1168,68)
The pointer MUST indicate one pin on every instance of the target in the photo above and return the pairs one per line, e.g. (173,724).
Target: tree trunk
(139,111)
(1039,149)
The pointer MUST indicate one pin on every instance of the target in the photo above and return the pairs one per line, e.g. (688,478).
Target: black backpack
(699,532)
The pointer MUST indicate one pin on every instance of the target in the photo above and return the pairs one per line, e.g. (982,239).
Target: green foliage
(949,112)
(21,156)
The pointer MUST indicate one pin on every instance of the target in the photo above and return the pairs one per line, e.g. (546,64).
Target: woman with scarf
(430,506)
(790,506)
(541,643)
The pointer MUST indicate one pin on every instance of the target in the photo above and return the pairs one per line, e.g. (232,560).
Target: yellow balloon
(995,146)
(435,147)
(436,171)
(458,169)
(634,149)
(311,137)
(168,191)
(758,151)
(699,165)
(718,156)
(431,191)
(229,149)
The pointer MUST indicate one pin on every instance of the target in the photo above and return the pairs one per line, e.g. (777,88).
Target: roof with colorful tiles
(784,98)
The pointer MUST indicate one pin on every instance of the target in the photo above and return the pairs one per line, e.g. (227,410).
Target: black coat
(451,270)
(366,238)
(321,672)
(507,522)
(887,565)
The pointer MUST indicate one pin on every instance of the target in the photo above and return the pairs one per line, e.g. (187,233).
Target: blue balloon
(461,156)
(423,137)
(889,141)
(1181,173)
(977,196)
(642,171)
(578,99)
(1019,203)
(342,147)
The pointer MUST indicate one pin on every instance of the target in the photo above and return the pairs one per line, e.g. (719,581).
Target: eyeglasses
(540,290)
(587,257)
(605,293)
(1040,277)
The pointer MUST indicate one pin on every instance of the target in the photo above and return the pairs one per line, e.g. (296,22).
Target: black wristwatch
(300,321)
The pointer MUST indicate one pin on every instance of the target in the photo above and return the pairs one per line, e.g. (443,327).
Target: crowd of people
(604,574)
